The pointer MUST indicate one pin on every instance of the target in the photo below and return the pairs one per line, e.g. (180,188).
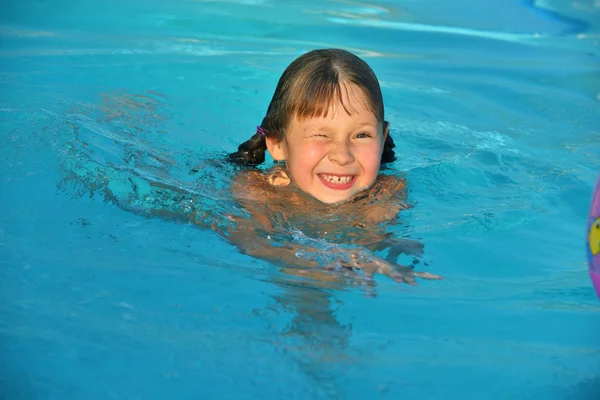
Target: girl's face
(334,157)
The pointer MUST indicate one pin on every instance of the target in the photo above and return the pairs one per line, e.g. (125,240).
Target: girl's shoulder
(254,185)
(384,200)
(389,187)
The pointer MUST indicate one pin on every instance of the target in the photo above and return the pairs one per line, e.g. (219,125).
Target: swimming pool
(494,109)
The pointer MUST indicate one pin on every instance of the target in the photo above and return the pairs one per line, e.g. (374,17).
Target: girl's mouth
(337,182)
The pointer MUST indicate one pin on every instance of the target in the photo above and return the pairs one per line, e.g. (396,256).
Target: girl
(322,210)
(326,131)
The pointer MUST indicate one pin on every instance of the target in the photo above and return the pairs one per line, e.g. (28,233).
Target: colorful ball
(593,239)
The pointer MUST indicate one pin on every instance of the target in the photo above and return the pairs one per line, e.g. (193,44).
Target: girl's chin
(329,196)
(334,198)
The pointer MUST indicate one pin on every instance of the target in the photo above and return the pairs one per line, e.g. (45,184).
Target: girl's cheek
(304,159)
(371,156)
(310,152)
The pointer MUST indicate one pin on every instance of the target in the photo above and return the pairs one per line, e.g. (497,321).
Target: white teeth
(337,179)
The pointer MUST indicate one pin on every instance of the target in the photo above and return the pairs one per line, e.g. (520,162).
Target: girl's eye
(363,135)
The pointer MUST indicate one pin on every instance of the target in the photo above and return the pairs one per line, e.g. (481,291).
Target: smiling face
(334,156)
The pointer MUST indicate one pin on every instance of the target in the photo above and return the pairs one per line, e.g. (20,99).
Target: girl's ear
(386,130)
(276,148)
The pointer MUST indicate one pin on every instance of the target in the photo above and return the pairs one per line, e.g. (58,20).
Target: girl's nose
(341,154)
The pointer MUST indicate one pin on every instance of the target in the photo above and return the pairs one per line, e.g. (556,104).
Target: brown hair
(307,88)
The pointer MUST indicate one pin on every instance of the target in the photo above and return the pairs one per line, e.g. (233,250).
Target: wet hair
(308,88)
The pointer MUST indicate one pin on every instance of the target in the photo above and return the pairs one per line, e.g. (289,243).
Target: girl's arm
(308,253)
(153,199)
(301,254)
(253,188)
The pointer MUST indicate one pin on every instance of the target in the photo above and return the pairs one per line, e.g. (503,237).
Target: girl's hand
(371,265)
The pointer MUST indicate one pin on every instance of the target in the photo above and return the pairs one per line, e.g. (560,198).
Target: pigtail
(388,155)
(251,152)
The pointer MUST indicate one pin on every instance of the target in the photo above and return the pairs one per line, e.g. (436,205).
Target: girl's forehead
(350,101)
(353,111)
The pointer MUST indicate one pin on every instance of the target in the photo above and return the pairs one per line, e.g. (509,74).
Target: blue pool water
(494,107)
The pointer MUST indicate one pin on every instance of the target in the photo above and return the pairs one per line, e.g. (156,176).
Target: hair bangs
(322,93)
